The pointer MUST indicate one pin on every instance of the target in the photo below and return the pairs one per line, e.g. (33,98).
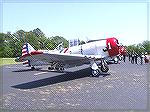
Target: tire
(61,69)
(32,68)
(57,68)
(95,73)
(50,68)
(104,68)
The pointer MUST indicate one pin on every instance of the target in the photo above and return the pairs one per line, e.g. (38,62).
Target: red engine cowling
(112,46)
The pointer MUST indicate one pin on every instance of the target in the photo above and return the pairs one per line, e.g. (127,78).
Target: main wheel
(57,68)
(61,69)
(104,68)
(95,73)
(50,68)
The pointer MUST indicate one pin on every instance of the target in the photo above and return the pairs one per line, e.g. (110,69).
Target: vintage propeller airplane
(96,53)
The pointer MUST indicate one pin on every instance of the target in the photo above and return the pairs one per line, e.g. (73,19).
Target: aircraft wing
(59,57)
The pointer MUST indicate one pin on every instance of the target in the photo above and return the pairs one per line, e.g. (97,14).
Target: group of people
(133,58)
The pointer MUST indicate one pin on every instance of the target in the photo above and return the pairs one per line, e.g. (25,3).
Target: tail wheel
(95,73)
(32,68)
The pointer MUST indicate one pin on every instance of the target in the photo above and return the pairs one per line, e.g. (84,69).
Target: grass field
(7,61)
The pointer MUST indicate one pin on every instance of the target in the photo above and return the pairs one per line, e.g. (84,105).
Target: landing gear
(95,73)
(50,68)
(56,67)
(104,67)
(61,69)
(96,70)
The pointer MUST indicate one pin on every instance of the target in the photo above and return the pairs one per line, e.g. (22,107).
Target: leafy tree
(2,40)
(8,51)
(58,39)
(146,46)
(139,48)
(32,39)
(38,32)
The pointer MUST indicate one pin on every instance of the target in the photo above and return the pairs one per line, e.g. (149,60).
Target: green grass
(7,61)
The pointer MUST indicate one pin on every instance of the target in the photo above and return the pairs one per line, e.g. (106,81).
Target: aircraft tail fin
(27,48)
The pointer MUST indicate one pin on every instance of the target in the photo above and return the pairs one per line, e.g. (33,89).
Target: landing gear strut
(50,68)
(97,69)
(104,67)
(57,67)
(95,73)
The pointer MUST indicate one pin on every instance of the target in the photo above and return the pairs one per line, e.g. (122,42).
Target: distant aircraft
(96,53)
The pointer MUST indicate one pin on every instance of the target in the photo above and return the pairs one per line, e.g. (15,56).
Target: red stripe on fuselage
(30,54)
(24,52)
(36,52)
(65,50)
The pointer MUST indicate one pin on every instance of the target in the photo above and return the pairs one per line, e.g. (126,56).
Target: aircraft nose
(113,46)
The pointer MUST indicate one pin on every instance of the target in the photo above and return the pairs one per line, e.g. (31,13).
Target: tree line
(140,48)
(11,44)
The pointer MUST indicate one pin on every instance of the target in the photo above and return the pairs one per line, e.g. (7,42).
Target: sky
(128,22)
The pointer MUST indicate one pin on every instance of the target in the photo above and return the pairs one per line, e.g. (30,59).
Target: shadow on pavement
(25,70)
(56,79)
(37,69)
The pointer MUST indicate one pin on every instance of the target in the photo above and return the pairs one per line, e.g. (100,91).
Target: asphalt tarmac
(124,87)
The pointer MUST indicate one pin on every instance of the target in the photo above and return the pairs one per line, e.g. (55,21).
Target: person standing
(146,58)
(129,55)
(124,57)
(132,58)
(135,57)
(141,57)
